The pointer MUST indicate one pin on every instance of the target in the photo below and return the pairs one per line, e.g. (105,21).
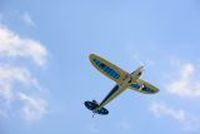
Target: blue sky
(45,74)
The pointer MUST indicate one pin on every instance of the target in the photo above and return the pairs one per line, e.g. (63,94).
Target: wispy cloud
(12,45)
(34,107)
(187,83)
(9,76)
(162,110)
(26,17)
(14,79)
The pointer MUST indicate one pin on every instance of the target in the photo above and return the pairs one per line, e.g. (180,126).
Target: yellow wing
(108,69)
(144,87)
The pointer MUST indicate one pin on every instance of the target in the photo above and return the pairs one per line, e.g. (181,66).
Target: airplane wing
(108,69)
(144,87)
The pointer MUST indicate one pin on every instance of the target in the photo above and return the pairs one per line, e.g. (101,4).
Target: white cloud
(187,84)
(161,110)
(34,107)
(9,76)
(17,83)
(11,45)
(27,19)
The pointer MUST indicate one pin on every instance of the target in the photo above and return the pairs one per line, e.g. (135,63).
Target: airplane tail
(93,106)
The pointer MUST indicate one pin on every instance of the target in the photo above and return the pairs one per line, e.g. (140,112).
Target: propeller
(142,63)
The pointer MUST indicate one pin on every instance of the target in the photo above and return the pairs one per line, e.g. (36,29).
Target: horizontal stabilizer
(93,106)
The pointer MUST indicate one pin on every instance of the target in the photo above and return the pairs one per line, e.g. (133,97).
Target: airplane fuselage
(121,87)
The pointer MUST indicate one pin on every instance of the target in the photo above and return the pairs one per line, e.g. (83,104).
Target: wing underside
(108,69)
(144,87)
(118,75)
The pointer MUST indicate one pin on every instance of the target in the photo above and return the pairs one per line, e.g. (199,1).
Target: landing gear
(141,88)
(130,81)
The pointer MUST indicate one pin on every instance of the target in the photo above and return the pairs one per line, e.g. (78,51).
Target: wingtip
(157,90)
(92,55)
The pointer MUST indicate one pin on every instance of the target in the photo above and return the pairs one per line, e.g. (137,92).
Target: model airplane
(123,81)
